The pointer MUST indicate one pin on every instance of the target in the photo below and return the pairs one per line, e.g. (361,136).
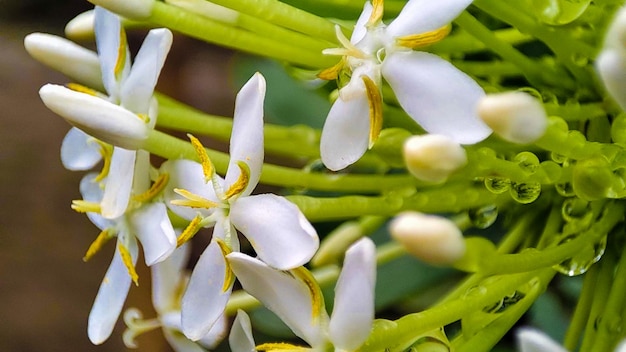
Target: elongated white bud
(81,26)
(515,116)
(611,62)
(132,9)
(433,157)
(433,239)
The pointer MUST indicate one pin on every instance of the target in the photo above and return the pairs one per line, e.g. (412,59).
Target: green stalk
(600,295)
(583,308)
(610,323)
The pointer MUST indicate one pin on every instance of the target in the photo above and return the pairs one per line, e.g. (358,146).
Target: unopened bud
(515,116)
(433,157)
(208,10)
(433,239)
(81,26)
(132,9)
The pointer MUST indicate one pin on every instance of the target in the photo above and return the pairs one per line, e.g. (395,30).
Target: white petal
(187,175)
(345,136)
(91,190)
(246,141)
(280,234)
(118,184)
(72,60)
(180,343)
(166,277)
(110,299)
(442,99)
(97,117)
(289,298)
(172,323)
(240,338)
(138,88)
(81,26)
(611,65)
(420,16)
(531,340)
(216,334)
(353,311)
(108,29)
(79,151)
(136,9)
(205,299)
(359,28)
(154,230)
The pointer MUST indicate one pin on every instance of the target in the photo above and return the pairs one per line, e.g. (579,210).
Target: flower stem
(583,309)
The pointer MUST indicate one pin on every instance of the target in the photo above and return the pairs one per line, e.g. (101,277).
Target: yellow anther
(82,89)
(106,150)
(229,276)
(317,299)
(377,14)
(156,188)
(280,346)
(376,108)
(144,117)
(332,73)
(193,200)
(414,41)
(207,166)
(242,181)
(128,262)
(121,55)
(83,206)
(97,244)
(190,231)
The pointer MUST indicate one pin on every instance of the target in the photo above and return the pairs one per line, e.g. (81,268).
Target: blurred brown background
(46,290)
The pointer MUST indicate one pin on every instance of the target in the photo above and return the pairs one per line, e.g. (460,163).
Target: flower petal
(111,296)
(420,16)
(138,88)
(166,277)
(172,324)
(118,184)
(154,230)
(284,294)
(611,66)
(353,311)
(280,234)
(532,340)
(246,141)
(359,28)
(205,299)
(91,191)
(111,43)
(240,338)
(187,175)
(180,343)
(79,151)
(442,99)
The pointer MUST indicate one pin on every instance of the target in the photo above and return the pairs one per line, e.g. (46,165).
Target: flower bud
(132,9)
(515,116)
(81,26)
(433,157)
(433,239)
(208,10)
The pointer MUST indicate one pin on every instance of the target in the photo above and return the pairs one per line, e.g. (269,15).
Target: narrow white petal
(216,334)
(241,338)
(345,136)
(246,141)
(79,151)
(166,278)
(353,311)
(97,117)
(154,230)
(280,234)
(289,298)
(91,191)
(136,9)
(81,26)
(359,28)
(108,29)
(118,184)
(611,65)
(139,86)
(532,340)
(172,323)
(205,299)
(442,99)
(420,16)
(180,343)
(110,298)
(187,175)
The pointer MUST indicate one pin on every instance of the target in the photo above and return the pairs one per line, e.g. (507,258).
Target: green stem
(344,9)
(576,112)
(463,42)
(570,144)
(600,295)
(583,308)
(610,323)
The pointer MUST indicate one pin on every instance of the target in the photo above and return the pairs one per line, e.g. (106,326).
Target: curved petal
(611,66)
(205,299)
(280,234)
(118,184)
(139,86)
(442,99)
(532,340)
(110,298)
(166,280)
(359,28)
(353,311)
(285,295)
(240,338)
(420,16)
(345,136)
(79,151)
(172,324)
(111,42)
(187,175)
(154,230)
(91,191)
(180,343)
(246,141)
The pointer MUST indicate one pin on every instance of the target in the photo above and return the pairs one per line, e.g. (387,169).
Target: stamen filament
(136,326)
(190,231)
(82,89)
(377,14)
(121,55)
(103,237)
(421,40)
(280,346)
(375,101)
(106,150)
(128,262)
(83,206)
(207,166)
(317,299)
(242,181)
(229,277)
(156,188)
(193,200)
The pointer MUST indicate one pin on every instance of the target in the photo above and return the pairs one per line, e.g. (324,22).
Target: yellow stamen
(144,117)
(83,206)
(376,108)
(229,276)
(128,262)
(377,14)
(332,73)
(156,188)
(97,244)
(193,200)
(317,300)
(190,231)
(242,181)
(421,40)
(106,150)
(121,55)
(207,166)
(82,89)
(280,346)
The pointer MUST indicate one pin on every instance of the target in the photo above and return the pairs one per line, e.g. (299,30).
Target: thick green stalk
(583,308)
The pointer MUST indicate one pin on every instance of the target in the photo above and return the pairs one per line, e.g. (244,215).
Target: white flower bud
(433,157)
(611,62)
(96,116)
(433,239)
(132,9)
(81,26)
(208,9)
(515,116)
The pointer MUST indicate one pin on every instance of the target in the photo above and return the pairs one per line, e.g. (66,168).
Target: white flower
(296,298)
(277,230)
(432,91)
(514,116)
(433,157)
(611,63)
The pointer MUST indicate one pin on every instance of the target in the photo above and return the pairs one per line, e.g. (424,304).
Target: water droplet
(484,216)
(576,209)
(504,303)
(584,259)
(565,189)
(527,161)
(525,192)
(559,12)
(497,185)
(558,158)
